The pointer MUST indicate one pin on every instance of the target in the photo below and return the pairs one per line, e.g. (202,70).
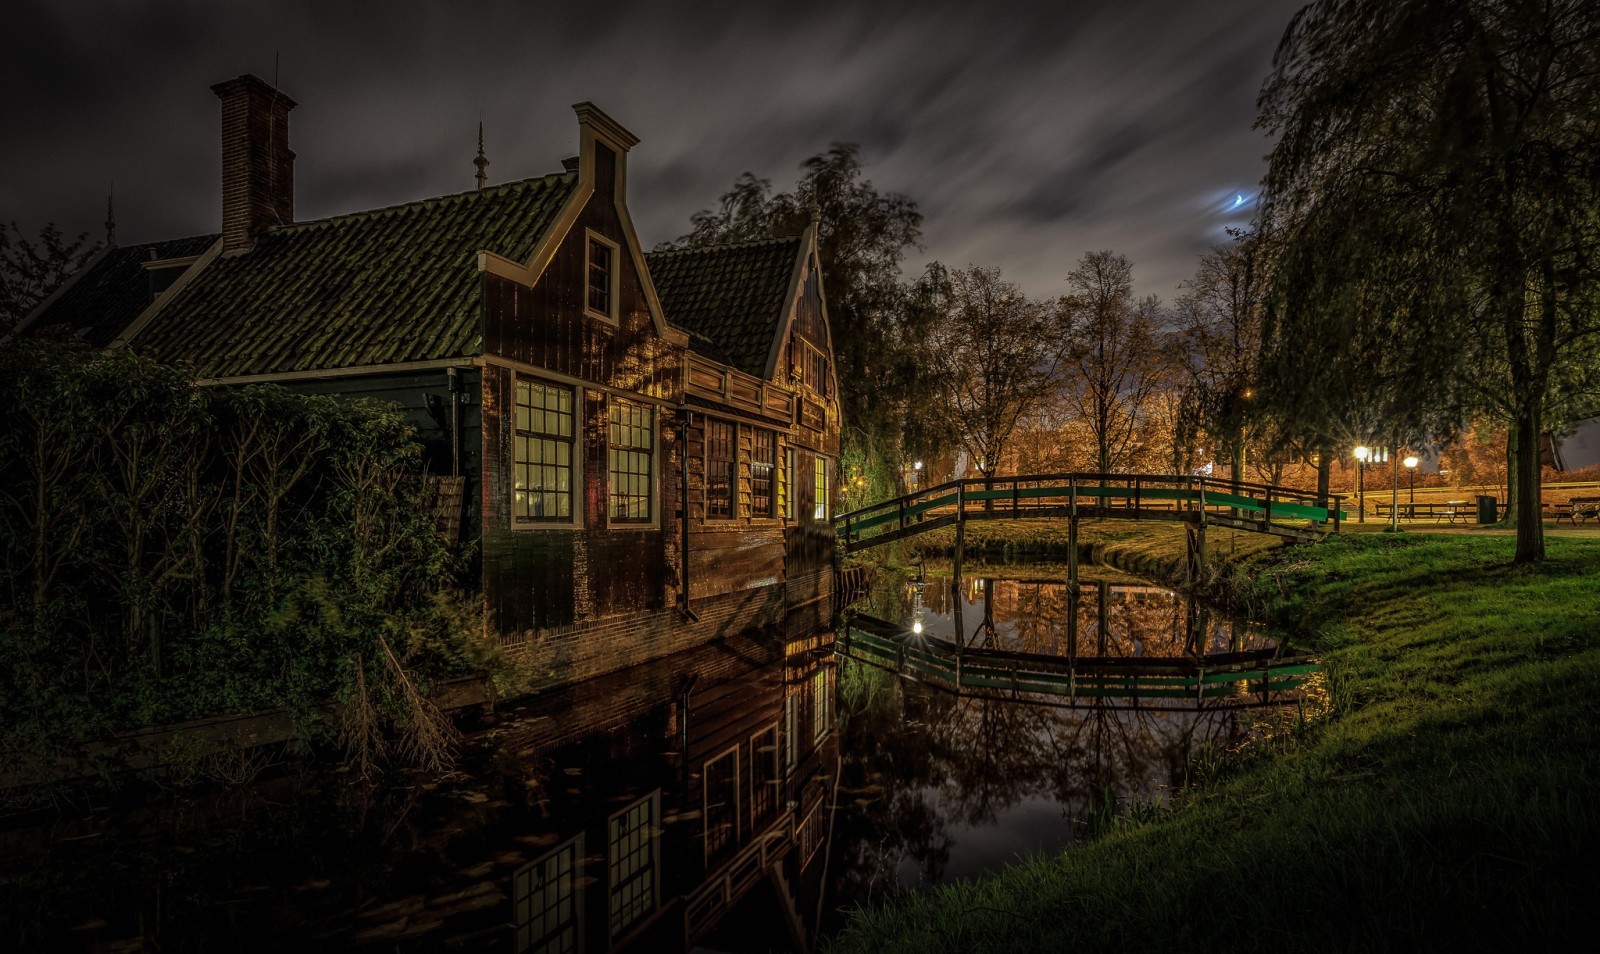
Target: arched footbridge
(1284,512)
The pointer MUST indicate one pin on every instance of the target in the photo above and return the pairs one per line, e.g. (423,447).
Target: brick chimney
(257,164)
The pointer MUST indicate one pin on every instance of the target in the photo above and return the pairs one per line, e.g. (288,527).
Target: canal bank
(1446,801)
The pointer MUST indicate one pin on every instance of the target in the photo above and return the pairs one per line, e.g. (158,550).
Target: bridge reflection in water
(1074,643)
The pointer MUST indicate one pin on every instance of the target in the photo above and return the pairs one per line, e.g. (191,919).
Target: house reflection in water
(668,814)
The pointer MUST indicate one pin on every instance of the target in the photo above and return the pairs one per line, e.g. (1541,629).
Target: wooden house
(643,445)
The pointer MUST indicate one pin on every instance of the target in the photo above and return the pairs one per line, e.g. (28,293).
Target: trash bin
(1486,509)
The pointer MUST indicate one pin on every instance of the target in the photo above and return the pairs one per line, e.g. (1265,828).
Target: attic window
(601,269)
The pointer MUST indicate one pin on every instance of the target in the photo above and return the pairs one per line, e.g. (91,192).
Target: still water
(734,798)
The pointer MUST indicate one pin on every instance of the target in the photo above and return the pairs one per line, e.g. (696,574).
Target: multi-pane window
(542,458)
(722,475)
(787,482)
(820,488)
(721,815)
(630,456)
(631,865)
(602,267)
(764,777)
(821,706)
(763,455)
(546,903)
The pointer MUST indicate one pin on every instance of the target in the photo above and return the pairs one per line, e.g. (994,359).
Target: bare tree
(996,353)
(1118,358)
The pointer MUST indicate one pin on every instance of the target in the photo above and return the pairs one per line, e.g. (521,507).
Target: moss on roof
(730,298)
(390,285)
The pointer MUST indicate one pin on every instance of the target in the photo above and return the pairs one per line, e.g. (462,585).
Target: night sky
(1027,134)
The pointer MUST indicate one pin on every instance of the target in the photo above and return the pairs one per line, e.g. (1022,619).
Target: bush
(173,552)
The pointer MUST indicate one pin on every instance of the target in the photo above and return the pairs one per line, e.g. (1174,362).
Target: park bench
(1448,510)
(1578,510)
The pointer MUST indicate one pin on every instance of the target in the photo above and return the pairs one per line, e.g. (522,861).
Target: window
(542,461)
(763,454)
(791,729)
(820,468)
(764,777)
(632,446)
(631,864)
(787,480)
(721,815)
(820,706)
(816,370)
(546,902)
(722,476)
(602,275)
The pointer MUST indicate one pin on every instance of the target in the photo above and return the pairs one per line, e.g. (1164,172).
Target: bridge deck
(1262,508)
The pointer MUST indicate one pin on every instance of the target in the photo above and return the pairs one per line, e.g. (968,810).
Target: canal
(738,797)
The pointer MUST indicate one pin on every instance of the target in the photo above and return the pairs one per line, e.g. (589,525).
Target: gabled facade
(645,462)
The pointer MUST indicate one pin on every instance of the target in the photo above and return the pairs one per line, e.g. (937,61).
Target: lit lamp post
(1363,454)
(916,476)
(1411,469)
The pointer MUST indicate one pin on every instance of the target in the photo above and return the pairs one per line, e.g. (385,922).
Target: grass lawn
(1449,798)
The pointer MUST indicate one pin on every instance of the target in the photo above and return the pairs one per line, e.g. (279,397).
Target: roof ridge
(342,217)
(748,243)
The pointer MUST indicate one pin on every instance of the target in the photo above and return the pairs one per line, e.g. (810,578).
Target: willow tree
(1450,149)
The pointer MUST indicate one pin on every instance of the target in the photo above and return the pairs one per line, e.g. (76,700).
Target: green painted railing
(1265,507)
(1238,679)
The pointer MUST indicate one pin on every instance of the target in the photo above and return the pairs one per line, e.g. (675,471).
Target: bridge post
(1072,536)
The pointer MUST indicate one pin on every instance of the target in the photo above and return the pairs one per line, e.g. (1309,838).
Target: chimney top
(257,164)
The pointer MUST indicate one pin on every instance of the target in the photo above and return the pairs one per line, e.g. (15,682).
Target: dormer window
(601,301)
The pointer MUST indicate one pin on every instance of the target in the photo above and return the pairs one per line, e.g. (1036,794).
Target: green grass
(1449,797)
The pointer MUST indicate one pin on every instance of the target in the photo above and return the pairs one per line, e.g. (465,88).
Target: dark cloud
(1028,134)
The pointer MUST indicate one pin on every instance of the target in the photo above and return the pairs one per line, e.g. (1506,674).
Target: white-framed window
(821,705)
(601,260)
(631,863)
(630,456)
(720,801)
(544,459)
(820,487)
(547,902)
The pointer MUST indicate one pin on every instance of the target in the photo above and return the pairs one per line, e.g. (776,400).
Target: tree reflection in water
(937,786)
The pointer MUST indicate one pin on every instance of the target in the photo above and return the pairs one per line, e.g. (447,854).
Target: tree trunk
(1324,473)
(1530,521)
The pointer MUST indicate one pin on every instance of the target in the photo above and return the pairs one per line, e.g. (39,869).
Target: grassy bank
(1449,799)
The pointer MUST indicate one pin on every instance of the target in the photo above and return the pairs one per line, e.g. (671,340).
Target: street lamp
(1411,468)
(916,476)
(1363,454)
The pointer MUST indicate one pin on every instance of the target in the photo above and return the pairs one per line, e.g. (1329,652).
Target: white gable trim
(172,291)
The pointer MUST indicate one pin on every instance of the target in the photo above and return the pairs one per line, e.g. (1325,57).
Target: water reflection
(1101,617)
(734,798)
(682,803)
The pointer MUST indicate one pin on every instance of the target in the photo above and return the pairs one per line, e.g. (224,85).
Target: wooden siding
(545,326)
(535,579)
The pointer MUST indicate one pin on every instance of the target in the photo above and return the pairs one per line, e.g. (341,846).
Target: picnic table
(1577,510)
(1449,510)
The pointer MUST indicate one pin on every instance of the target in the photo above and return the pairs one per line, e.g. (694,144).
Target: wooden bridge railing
(1265,508)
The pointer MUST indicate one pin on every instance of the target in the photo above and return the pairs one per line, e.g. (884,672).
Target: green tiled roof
(99,304)
(391,285)
(730,298)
